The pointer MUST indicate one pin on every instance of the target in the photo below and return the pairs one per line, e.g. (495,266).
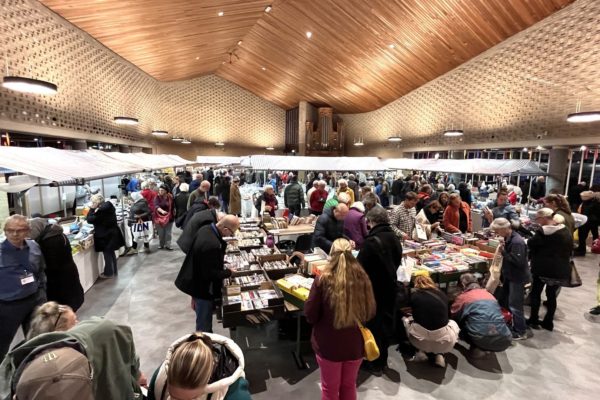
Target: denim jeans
(514,297)
(204,313)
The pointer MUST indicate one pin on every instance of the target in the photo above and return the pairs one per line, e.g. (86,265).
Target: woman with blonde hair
(201,366)
(340,299)
(51,317)
(430,330)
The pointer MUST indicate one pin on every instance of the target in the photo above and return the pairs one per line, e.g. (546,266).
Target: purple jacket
(355,227)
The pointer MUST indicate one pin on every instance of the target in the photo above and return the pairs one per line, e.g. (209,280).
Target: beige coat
(235,200)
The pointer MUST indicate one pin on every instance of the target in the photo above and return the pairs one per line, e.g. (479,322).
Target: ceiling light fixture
(219,144)
(394,139)
(453,132)
(263,68)
(29,85)
(270,148)
(197,58)
(176,139)
(160,133)
(583,116)
(539,148)
(583,148)
(220,13)
(525,149)
(186,141)
(268,8)
(126,121)
(392,46)
(359,141)
(240,42)
(308,34)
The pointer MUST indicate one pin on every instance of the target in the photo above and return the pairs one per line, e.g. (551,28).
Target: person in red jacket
(457,216)
(148,194)
(318,198)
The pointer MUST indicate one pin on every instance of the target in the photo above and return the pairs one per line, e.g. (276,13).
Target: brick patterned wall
(520,88)
(95,85)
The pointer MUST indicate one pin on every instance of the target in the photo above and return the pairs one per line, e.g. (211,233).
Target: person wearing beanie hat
(139,212)
(590,207)
(550,254)
(180,202)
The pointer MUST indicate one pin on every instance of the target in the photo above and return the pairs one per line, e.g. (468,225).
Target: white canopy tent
(474,166)
(149,162)
(305,163)
(218,160)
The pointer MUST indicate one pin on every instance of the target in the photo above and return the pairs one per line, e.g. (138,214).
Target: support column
(559,157)
(303,116)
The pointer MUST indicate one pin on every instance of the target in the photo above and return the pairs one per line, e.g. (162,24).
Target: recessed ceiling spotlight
(24,112)
(308,34)
(223,62)
(220,13)
(392,46)
(197,58)
(160,133)
(268,8)
(240,42)
(263,68)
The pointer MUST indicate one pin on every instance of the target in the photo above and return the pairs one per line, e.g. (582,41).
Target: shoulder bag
(371,348)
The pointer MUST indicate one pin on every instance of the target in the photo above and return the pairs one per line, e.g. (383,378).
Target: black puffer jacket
(550,252)
(139,211)
(293,195)
(327,230)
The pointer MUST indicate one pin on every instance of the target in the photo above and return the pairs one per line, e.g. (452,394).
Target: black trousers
(295,209)
(584,231)
(536,297)
(14,314)
(380,327)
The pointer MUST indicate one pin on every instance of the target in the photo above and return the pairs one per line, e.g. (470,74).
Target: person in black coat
(139,212)
(203,270)
(108,237)
(550,254)
(225,191)
(380,256)
(63,285)
(330,226)
(198,220)
(180,201)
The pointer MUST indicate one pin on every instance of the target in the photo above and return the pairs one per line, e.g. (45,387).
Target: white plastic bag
(142,231)
(404,271)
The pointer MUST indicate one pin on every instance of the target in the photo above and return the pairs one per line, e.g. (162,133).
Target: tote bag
(142,230)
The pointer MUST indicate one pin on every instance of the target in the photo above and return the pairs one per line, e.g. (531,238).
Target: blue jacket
(14,268)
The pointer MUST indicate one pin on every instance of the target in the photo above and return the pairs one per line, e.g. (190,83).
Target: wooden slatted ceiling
(164,37)
(347,64)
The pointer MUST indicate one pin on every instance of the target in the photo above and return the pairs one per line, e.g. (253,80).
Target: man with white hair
(200,194)
(515,274)
(22,280)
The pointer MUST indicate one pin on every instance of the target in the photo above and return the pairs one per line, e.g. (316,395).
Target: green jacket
(110,350)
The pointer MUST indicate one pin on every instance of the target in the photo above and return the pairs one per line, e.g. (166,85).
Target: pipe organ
(324,140)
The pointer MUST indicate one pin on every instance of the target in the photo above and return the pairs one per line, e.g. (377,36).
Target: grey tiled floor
(563,364)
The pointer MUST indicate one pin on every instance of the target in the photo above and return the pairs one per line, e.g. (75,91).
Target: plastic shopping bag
(142,231)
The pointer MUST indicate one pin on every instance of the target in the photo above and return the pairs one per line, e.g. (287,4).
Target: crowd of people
(371,216)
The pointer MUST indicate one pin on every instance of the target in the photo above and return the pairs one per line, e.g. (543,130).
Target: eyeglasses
(16,232)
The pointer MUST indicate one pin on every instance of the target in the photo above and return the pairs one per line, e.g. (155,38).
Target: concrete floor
(552,365)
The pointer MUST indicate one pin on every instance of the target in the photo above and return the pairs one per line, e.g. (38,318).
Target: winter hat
(587,195)
(359,206)
(135,196)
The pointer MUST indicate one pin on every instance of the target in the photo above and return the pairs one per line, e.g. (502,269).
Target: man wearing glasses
(22,280)
(202,273)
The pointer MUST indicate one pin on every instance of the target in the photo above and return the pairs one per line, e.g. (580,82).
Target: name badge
(27,279)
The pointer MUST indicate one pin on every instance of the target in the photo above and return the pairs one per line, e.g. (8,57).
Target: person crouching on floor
(479,316)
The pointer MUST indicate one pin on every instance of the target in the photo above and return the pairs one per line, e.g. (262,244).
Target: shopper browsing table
(550,252)
(22,280)
(339,299)
(380,256)
(403,217)
(457,216)
(203,270)
(515,274)
(329,227)
(107,234)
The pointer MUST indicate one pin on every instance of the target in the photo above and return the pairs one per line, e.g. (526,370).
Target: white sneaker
(440,361)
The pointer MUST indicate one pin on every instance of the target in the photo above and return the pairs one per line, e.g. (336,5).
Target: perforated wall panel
(96,85)
(520,88)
